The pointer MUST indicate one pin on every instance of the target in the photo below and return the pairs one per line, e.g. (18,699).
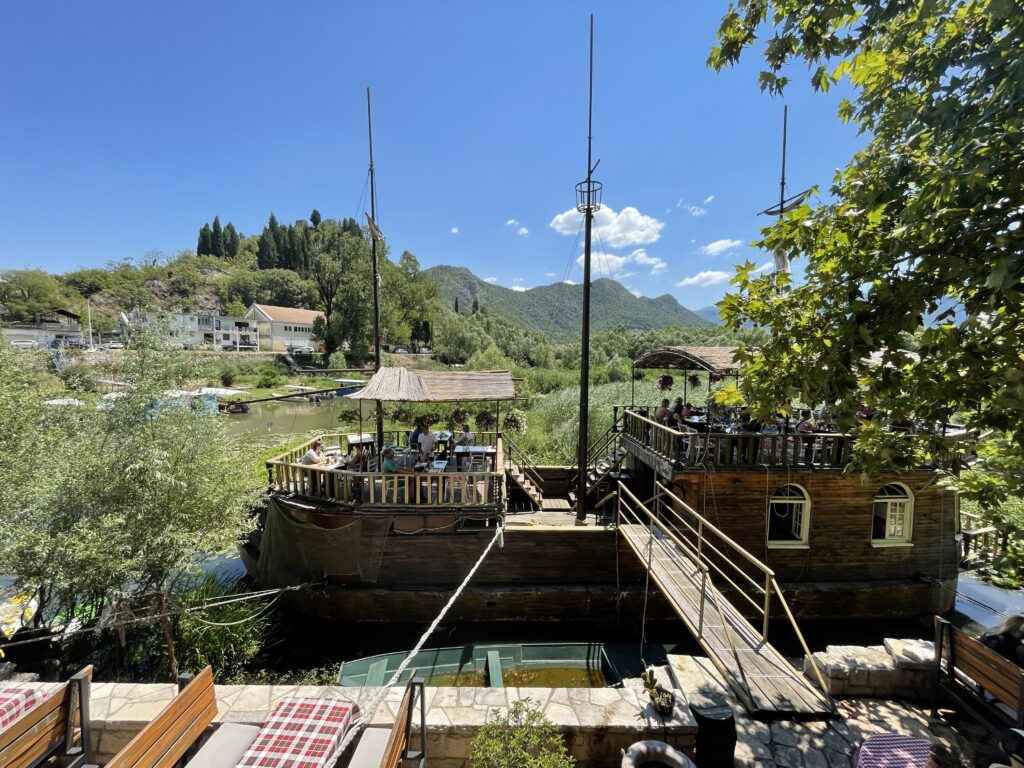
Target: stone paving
(597,722)
(829,744)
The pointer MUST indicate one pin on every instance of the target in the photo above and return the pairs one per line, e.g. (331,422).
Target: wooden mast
(374,236)
(586,202)
(781,262)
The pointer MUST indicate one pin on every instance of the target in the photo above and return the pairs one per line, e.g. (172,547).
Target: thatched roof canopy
(717,360)
(406,386)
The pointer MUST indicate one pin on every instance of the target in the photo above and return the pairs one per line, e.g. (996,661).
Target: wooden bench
(57,727)
(380,748)
(977,678)
(173,733)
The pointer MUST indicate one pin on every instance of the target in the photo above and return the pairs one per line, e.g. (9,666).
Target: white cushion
(225,746)
(370,748)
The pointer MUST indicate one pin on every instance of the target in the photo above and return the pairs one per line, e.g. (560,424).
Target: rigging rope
(367,714)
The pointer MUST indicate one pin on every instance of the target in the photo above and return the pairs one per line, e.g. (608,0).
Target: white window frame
(906,539)
(805,518)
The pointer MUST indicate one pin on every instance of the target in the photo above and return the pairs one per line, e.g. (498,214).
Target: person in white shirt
(315,453)
(427,443)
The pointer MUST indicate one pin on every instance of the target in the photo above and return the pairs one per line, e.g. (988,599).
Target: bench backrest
(992,671)
(166,738)
(397,749)
(59,725)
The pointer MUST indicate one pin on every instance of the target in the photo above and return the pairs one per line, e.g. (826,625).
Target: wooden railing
(717,558)
(983,543)
(287,474)
(689,447)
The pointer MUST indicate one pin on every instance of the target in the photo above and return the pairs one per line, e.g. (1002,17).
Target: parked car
(114,345)
(25,344)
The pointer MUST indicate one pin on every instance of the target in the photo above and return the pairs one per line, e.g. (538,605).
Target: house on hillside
(58,325)
(284,329)
(194,330)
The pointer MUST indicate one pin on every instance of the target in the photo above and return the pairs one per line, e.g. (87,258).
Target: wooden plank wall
(840,525)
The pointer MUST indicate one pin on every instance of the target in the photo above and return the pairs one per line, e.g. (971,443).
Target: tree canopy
(924,222)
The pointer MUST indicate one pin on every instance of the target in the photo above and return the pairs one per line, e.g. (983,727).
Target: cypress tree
(266,256)
(231,241)
(456,305)
(205,244)
(314,218)
(217,242)
(476,305)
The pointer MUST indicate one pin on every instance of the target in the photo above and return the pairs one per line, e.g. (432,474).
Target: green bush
(79,377)
(201,638)
(520,737)
(227,375)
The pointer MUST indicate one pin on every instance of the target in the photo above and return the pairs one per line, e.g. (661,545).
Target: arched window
(789,517)
(892,520)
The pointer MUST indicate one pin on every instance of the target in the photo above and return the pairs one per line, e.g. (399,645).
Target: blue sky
(127,125)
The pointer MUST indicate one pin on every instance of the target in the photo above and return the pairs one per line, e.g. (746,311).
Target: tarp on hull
(293,552)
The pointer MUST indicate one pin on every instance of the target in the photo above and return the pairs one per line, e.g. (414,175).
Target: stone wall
(898,669)
(597,722)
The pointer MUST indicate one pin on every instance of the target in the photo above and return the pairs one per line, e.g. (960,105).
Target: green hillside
(555,309)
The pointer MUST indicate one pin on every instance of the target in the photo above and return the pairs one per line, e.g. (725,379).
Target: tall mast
(374,236)
(588,200)
(781,262)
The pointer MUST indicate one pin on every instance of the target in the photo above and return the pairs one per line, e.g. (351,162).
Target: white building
(59,325)
(283,329)
(199,329)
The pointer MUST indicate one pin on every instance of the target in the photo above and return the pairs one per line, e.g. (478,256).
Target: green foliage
(227,375)
(29,293)
(268,376)
(78,377)
(489,359)
(519,737)
(127,498)
(514,421)
(924,220)
(228,637)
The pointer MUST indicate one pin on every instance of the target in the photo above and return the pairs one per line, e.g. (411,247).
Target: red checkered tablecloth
(300,733)
(15,702)
(893,751)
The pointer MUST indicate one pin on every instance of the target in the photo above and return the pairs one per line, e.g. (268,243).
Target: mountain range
(555,309)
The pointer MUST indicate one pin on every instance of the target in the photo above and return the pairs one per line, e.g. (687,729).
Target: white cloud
(635,293)
(549,274)
(616,230)
(709,200)
(522,231)
(511,223)
(614,265)
(767,266)
(641,257)
(454,230)
(570,282)
(518,288)
(604,263)
(705,278)
(718,247)
(696,210)
(490,279)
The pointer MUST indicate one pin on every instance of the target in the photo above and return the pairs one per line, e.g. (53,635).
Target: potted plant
(665,382)
(519,737)
(662,699)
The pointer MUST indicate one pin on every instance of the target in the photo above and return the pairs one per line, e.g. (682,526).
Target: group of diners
(686,416)
(425,451)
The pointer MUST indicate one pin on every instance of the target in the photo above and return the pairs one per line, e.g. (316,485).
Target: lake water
(283,417)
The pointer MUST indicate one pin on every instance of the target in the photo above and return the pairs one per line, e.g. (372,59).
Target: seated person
(677,409)
(689,411)
(749,423)
(806,423)
(466,437)
(390,465)
(663,415)
(315,453)
(427,442)
(358,462)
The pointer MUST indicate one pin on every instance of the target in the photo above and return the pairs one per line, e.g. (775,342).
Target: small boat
(561,665)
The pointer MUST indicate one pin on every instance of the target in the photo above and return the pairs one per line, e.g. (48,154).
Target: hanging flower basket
(485,420)
(665,382)
(514,421)
(694,381)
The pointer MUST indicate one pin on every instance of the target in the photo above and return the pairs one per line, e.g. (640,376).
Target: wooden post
(165,623)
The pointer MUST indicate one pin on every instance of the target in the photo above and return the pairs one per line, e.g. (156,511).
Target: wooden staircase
(598,472)
(523,473)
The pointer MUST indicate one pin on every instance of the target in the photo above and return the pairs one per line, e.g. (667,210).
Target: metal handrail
(517,455)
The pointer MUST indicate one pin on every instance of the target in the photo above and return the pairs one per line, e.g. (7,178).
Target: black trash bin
(716,736)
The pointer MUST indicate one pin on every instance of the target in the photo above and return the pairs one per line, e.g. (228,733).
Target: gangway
(695,564)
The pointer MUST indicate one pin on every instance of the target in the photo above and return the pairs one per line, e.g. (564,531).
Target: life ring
(644,752)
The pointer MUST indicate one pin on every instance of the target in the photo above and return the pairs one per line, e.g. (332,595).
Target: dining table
(463,452)
(15,701)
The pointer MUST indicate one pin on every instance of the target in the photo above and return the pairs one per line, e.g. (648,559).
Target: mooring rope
(367,714)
